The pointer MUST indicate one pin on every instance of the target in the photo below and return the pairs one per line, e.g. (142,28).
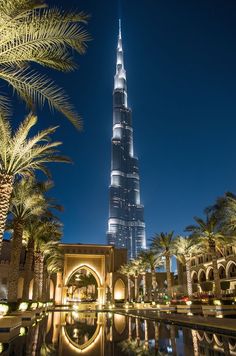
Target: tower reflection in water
(108,334)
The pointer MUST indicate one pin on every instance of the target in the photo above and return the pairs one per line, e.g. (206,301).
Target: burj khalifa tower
(126,226)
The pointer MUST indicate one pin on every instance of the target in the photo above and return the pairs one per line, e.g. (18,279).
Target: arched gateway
(99,263)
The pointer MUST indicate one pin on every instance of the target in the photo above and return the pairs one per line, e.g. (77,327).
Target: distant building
(126,226)
(202,272)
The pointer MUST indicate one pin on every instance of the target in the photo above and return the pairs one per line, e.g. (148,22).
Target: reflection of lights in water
(75,333)
(75,315)
(75,307)
(93,341)
(22,331)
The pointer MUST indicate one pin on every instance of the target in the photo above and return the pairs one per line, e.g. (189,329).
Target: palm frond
(35,88)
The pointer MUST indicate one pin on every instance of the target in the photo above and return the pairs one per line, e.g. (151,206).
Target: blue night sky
(180,58)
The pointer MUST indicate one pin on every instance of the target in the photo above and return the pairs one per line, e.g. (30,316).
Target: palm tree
(162,245)
(27,201)
(137,268)
(21,156)
(126,270)
(209,234)
(54,262)
(46,238)
(152,262)
(184,249)
(225,212)
(28,261)
(31,32)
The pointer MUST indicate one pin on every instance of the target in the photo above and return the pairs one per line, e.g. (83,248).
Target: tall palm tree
(46,238)
(210,235)
(126,270)
(22,156)
(54,262)
(31,32)
(184,249)
(137,268)
(162,246)
(27,201)
(152,262)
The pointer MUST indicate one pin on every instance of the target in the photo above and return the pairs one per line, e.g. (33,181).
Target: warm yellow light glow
(118,294)
(219,316)
(190,314)
(3,309)
(22,331)
(217,302)
(75,307)
(34,306)
(23,306)
(189,302)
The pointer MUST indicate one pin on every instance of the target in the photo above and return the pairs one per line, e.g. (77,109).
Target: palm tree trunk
(154,283)
(28,269)
(48,287)
(36,275)
(144,286)
(45,284)
(129,288)
(16,248)
(136,288)
(41,274)
(168,276)
(6,187)
(212,247)
(189,281)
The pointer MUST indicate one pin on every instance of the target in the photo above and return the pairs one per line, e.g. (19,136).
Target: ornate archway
(119,290)
(83,284)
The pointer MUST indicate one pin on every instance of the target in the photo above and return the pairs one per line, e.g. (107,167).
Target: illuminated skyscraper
(126,226)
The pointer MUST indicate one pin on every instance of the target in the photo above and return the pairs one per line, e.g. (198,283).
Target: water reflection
(107,334)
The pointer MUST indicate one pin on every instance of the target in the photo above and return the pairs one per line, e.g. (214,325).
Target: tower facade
(126,226)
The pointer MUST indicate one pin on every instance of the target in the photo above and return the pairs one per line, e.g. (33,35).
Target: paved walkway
(220,325)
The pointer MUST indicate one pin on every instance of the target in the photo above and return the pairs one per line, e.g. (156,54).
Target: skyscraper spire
(126,226)
(119,28)
(120,76)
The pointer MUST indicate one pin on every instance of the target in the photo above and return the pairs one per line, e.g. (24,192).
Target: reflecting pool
(108,334)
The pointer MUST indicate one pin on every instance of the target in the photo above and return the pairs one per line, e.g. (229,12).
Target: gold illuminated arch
(89,269)
(88,344)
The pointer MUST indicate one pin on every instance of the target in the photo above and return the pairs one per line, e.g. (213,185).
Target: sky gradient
(180,58)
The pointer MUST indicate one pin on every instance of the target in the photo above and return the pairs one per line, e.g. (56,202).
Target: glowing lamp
(3,309)
(23,306)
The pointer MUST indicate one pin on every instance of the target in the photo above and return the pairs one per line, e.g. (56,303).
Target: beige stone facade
(202,271)
(102,261)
